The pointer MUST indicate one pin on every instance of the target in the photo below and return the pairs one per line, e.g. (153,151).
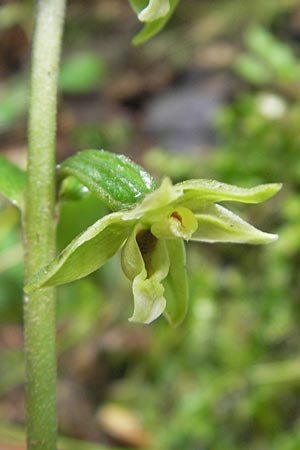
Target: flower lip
(146,242)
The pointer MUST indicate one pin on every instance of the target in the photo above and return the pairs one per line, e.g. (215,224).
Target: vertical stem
(39,227)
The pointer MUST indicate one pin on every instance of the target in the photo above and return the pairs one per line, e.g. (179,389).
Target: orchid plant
(148,223)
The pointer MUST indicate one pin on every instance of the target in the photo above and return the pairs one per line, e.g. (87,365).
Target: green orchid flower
(155,10)
(151,235)
(155,14)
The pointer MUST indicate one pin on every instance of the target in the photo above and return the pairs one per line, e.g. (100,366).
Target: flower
(155,10)
(151,236)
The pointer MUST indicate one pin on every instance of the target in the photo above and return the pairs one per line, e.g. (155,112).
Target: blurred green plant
(268,60)
(80,74)
(114,133)
(14,13)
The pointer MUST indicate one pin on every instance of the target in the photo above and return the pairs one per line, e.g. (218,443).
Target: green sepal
(12,182)
(218,224)
(197,193)
(116,180)
(86,253)
(176,283)
(150,29)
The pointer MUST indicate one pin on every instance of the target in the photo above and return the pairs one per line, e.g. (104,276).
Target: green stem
(39,227)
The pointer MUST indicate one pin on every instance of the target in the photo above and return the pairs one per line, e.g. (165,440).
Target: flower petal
(145,261)
(180,223)
(86,253)
(218,224)
(154,204)
(176,283)
(196,193)
(155,10)
(149,300)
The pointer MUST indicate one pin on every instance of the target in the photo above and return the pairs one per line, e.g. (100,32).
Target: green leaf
(13,102)
(150,29)
(12,181)
(86,253)
(115,179)
(197,193)
(82,73)
(269,49)
(176,283)
(218,224)
(253,70)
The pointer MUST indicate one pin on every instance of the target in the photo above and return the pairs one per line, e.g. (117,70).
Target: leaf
(218,224)
(150,29)
(115,179)
(12,181)
(13,102)
(86,253)
(176,283)
(252,70)
(82,73)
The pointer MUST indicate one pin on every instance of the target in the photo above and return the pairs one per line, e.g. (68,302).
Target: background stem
(39,227)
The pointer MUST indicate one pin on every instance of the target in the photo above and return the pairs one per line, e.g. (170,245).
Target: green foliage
(113,133)
(267,60)
(258,131)
(13,102)
(116,180)
(10,264)
(82,73)
(12,182)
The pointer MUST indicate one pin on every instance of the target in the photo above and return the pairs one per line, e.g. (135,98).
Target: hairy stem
(39,227)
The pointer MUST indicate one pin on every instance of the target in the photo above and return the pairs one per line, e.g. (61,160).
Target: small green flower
(155,10)
(151,236)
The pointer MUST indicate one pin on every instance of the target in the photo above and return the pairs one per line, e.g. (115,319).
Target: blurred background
(215,95)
